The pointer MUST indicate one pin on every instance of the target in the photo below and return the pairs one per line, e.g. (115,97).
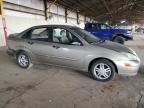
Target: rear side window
(88,26)
(40,34)
(95,26)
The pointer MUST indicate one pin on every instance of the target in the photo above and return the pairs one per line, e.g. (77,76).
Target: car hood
(115,46)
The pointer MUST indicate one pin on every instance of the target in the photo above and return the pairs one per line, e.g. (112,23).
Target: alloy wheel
(102,71)
(23,60)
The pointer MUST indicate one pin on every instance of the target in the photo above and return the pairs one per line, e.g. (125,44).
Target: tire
(23,60)
(98,70)
(119,39)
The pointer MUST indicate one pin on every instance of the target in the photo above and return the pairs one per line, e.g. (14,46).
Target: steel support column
(85,18)
(3,21)
(45,9)
(77,17)
(66,14)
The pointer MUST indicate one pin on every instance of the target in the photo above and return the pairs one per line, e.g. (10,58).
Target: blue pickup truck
(106,32)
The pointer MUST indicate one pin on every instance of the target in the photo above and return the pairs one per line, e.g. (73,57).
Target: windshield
(86,35)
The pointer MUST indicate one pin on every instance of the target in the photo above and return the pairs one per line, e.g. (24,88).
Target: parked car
(72,47)
(106,32)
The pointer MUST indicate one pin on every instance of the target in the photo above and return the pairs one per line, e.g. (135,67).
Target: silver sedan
(72,47)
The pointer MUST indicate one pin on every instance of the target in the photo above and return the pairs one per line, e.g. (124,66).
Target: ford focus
(72,47)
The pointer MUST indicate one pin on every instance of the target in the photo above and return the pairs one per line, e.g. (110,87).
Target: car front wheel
(23,60)
(102,70)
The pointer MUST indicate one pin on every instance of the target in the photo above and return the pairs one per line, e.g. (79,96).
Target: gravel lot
(55,87)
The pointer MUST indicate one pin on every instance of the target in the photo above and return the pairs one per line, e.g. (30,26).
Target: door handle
(30,42)
(56,47)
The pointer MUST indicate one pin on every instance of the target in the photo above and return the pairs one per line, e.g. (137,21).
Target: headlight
(129,56)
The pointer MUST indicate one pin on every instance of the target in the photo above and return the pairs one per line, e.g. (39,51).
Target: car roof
(57,25)
(37,26)
(95,23)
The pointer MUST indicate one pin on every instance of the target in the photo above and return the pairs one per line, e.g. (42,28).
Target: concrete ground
(54,87)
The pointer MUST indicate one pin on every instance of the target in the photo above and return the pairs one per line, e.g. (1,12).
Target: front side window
(40,34)
(103,26)
(65,37)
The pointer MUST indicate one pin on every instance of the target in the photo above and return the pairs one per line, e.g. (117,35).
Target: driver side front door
(67,50)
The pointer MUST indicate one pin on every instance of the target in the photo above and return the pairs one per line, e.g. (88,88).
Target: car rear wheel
(102,70)
(119,39)
(23,60)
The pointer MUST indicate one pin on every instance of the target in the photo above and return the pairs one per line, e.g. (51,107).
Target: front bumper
(130,70)
(128,36)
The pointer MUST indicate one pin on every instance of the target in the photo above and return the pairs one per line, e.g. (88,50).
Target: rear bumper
(11,52)
(128,71)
